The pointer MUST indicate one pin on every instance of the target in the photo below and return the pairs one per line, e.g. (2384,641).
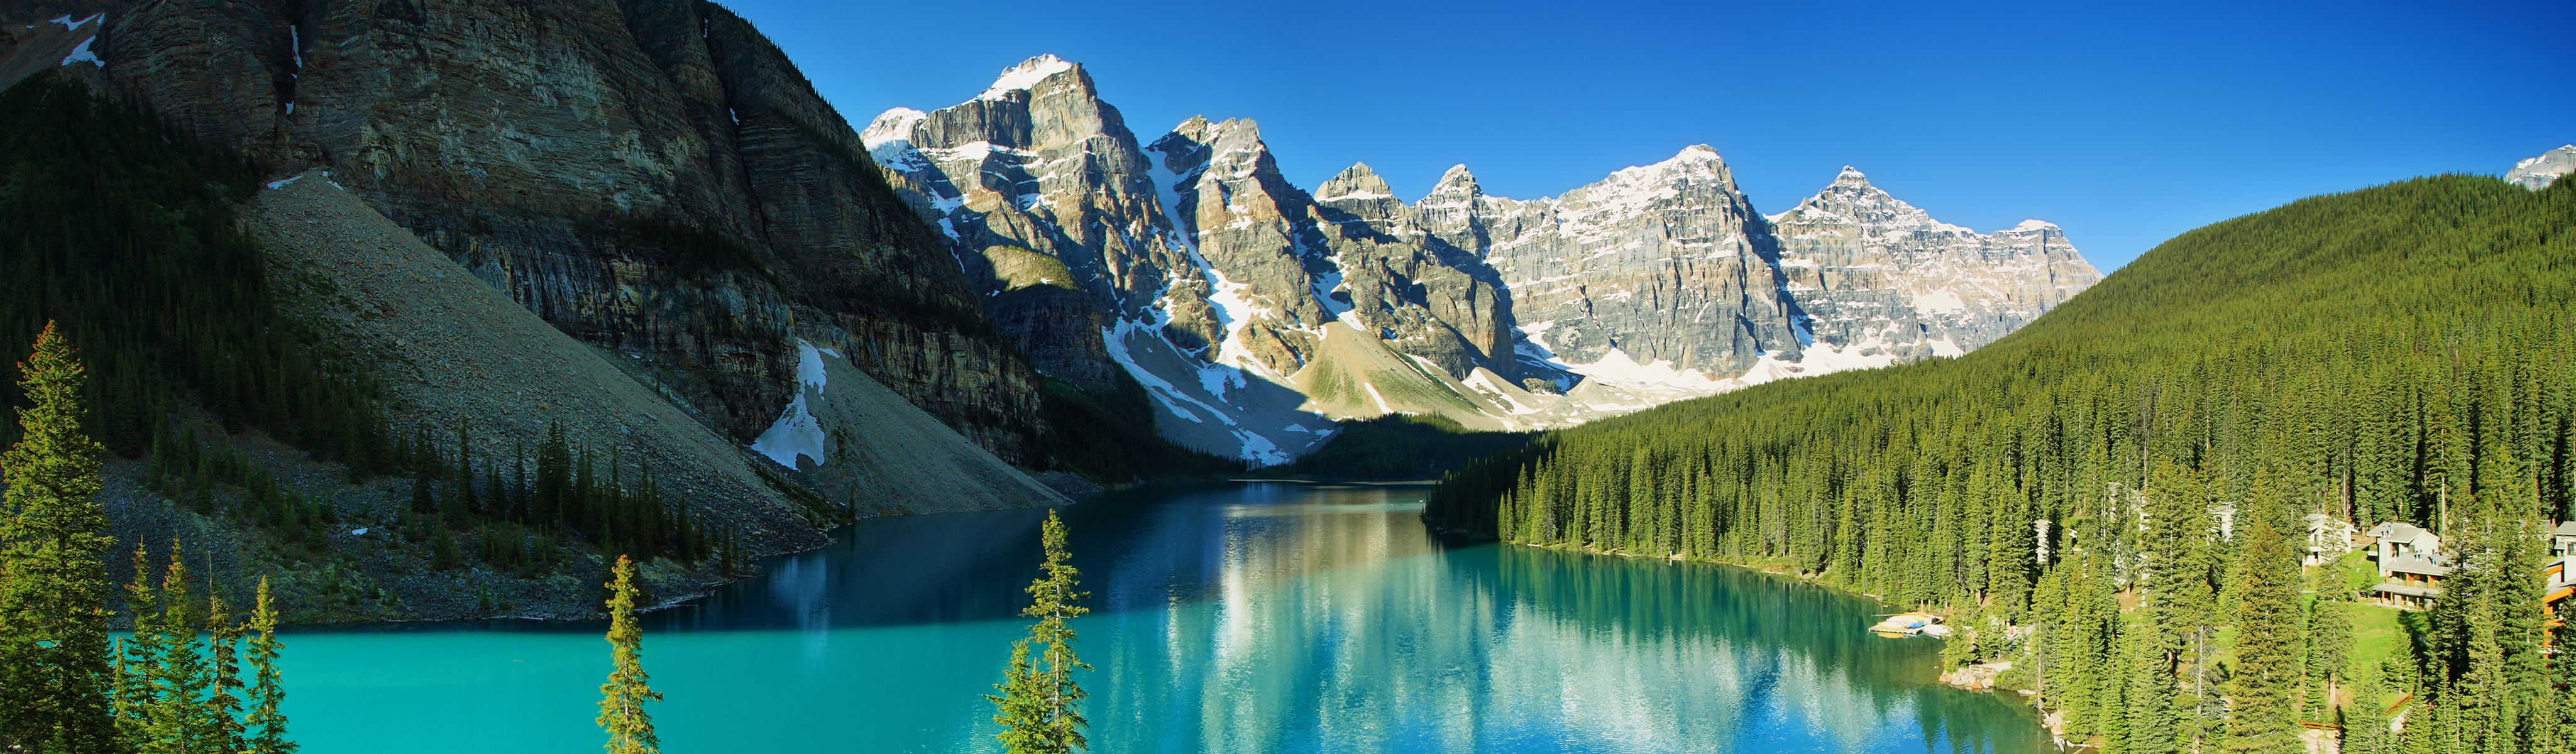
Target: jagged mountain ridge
(1254,311)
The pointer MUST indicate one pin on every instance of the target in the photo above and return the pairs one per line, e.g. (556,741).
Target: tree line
(2118,497)
(64,686)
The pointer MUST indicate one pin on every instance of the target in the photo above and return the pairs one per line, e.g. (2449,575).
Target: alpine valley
(1256,313)
(629,246)
(527,323)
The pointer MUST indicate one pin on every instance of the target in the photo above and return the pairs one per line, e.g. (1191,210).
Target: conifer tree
(2261,689)
(266,726)
(1040,707)
(1020,708)
(621,706)
(2150,697)
(176,721)
(53,618)
(138,657)
(224,695)
(554,479)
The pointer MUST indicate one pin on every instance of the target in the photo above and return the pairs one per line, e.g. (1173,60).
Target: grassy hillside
(2400,353)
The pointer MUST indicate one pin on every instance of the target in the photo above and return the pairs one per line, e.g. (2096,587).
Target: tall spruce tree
(621,706)
(53,616)
(138,656)
(266,725)
(177,720)
(224,695)
(1040,704)
(2262,688)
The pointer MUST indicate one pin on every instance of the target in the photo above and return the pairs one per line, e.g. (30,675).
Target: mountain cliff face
(1880,279)
(1254,312)
(650,176)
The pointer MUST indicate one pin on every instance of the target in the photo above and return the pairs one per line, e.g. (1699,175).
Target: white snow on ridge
(1025,75)
(1942,301)
(798,433)
(1617,366)
(82,54)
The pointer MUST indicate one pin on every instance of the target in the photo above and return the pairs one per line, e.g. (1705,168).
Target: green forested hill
(2400,353)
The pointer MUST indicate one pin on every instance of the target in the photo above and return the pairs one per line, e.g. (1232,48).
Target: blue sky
(2124,125)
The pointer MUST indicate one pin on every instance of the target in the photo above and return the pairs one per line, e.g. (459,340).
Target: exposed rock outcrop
(650,176)
(1876,276)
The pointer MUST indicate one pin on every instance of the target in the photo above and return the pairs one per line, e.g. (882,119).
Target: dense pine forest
(2118,498)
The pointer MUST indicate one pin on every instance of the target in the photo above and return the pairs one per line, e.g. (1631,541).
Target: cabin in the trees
(2562,540)
(2410,582)
(2395,538)
(2329,537)
(2411,566)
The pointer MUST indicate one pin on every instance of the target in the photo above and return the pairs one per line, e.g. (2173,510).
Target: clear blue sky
(2126,126)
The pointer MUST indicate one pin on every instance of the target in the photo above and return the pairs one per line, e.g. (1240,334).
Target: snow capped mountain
(1254,313)
(2536,173)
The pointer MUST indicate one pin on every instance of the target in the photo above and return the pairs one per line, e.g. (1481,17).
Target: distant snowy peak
(889,138)
(1026,76)
(1852,200)
(1457,188)
(2537,173)
(1697,160)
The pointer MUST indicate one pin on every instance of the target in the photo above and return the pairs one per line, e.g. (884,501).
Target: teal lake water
(1237,618)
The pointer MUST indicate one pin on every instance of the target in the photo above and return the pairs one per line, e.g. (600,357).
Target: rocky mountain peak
(1354,182)
(1851,200)
(1029,73)
(2536,173)
(1252,310)
(1232,148)
(1693,163)
(1457,186)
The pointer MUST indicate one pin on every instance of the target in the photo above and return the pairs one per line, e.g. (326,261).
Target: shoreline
(1977,678)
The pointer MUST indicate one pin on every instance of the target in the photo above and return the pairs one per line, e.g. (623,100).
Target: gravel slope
(454,352)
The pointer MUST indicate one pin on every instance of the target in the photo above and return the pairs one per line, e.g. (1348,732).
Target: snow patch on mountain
(1025,76)
(798,433)
(82,54)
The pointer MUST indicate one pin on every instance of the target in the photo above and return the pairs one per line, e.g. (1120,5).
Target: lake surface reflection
(1258,617)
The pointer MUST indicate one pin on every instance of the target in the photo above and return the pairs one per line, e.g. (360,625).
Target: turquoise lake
(1257,617)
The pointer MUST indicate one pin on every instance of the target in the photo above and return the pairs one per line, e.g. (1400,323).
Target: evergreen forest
(2122,498)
